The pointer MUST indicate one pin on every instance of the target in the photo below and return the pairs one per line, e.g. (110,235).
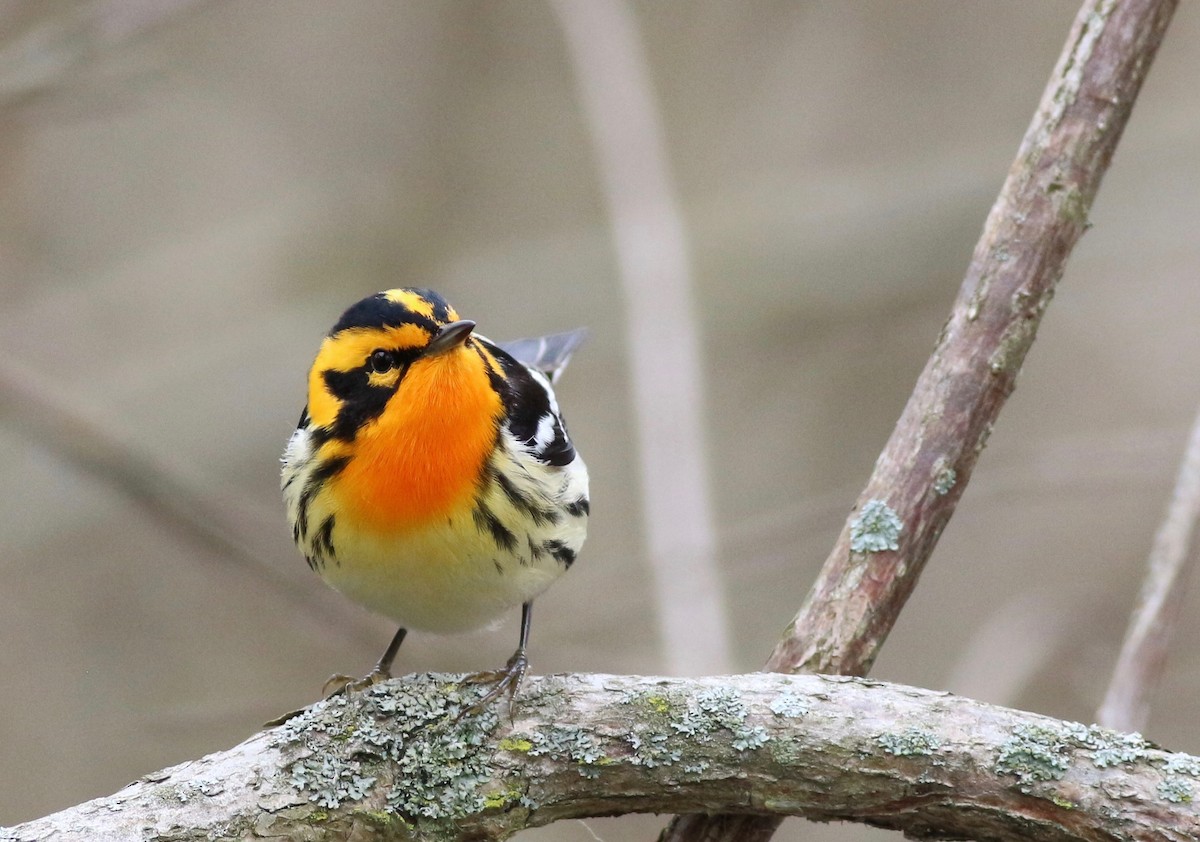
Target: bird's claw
(505,681)
(339,684)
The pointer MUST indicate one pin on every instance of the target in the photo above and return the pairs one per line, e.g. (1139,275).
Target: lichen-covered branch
(393,763)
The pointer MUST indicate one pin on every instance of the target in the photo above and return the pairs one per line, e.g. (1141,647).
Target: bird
(431,477)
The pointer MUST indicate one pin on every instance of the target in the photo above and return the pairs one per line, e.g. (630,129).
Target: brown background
(185,209)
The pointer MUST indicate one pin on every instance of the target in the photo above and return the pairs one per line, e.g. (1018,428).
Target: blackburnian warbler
(431,477)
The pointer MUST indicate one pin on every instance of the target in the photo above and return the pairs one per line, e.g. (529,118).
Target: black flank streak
(327,469)
(518,497)
(579,508)
(523,501)
(499,568)
(313,564)
(306,498)
(324,538)
(561,552)
(535,552)
(486,520)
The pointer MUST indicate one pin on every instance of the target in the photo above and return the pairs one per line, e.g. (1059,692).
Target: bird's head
(399,351)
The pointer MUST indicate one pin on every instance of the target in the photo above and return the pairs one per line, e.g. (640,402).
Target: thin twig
(1040,214)
(62,44)
(1144,652)
(32,406)
(665,368)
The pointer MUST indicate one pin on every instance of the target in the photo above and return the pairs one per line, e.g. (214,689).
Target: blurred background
(763,212)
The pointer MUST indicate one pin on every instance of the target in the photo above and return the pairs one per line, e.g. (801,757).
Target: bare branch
(1127,702)
(389,764)
(919,477)
(1040,214)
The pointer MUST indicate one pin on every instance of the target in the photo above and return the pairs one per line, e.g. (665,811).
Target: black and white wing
(533,418)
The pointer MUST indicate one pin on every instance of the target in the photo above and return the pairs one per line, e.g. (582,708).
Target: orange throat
(422,459)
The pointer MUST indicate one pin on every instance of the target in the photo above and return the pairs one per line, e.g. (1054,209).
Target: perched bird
(431,477)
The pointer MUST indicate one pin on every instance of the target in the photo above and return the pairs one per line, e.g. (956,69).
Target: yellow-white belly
(445,578)
(454,573)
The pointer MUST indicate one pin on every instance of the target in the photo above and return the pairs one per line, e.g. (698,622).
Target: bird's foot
(505,681)
(344,685)
(336,685)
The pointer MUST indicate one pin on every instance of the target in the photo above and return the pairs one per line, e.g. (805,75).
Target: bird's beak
(450,337)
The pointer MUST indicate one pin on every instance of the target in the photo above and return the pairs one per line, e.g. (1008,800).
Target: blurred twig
(61,41)
(1126,704)
(664,346)
(1040,214)
(34,407)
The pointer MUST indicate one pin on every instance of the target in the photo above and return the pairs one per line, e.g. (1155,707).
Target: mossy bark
(394,763)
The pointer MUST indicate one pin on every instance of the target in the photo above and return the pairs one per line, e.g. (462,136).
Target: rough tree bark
(392,764)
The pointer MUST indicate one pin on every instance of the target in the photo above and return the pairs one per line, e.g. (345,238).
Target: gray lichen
(188,790)
(1108,747)
(653,750)
(909,742)
(1034,753)
(569,742)
(876,528)
(330,781)
(789,705)
(1182,764)
(1041,753)
(440,767)
(747,738)
(717,709)
(1176,789)
(672,726)
(944,481)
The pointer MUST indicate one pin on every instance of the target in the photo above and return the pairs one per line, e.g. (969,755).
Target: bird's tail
(548,354)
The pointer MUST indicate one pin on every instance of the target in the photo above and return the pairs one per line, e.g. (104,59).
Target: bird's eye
(381,361)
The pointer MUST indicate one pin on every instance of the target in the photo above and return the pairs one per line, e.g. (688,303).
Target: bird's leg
(508,679)
(338,684)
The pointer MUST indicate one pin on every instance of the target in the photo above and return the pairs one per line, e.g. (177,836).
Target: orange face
(423,457)
(417,434)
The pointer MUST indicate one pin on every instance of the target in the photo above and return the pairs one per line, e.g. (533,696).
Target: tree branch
(1040,214)
(389,764)
(1144,652)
